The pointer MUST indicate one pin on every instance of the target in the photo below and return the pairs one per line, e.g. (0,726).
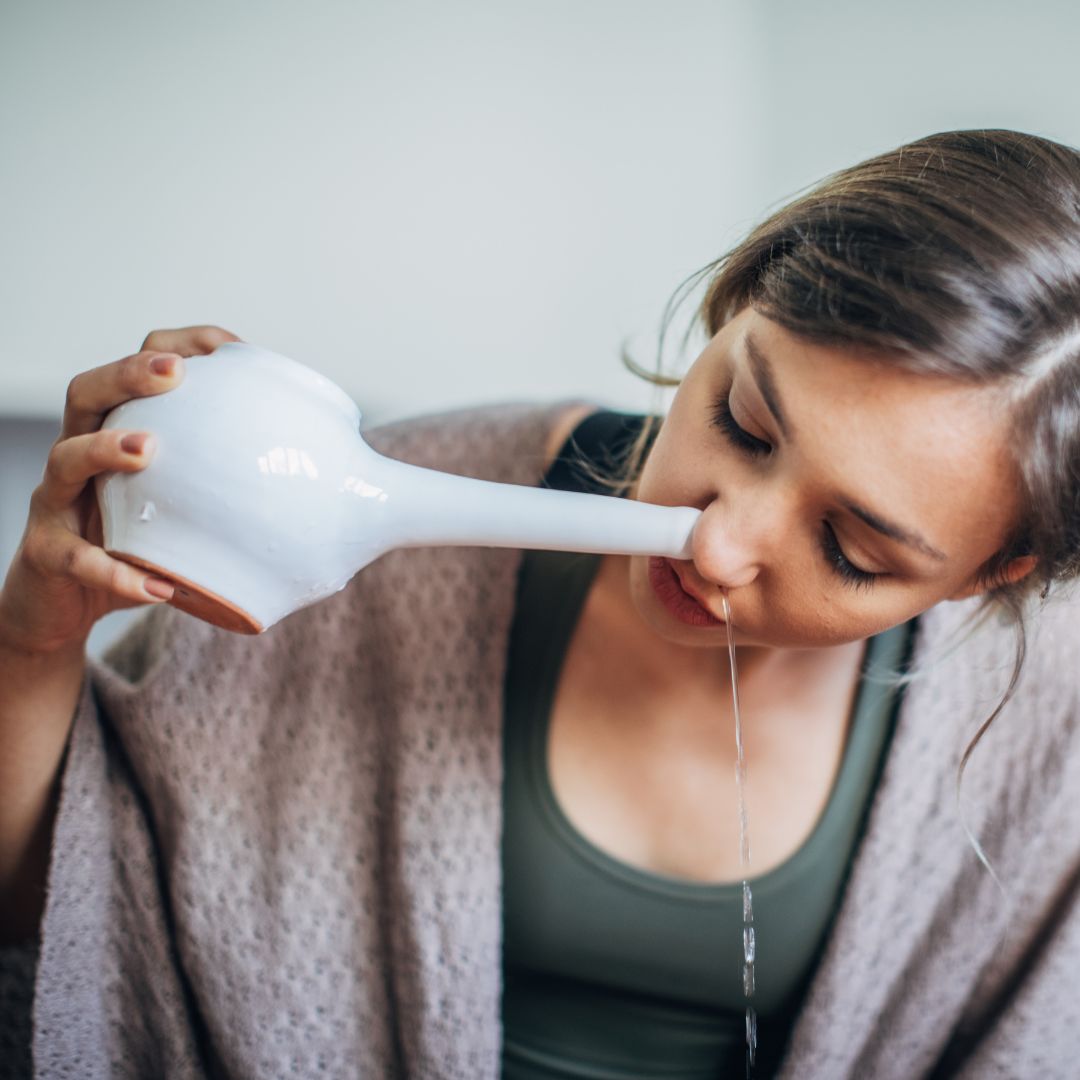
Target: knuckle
(115,575)
(71,561)
(33,548)
(133,371)
(73,391)
(36,499)
(105,448)
(153,340)
(53,464)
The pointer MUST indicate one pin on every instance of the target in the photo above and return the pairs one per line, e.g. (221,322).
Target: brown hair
(957,254)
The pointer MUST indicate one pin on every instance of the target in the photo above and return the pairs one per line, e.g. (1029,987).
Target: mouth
(679,601)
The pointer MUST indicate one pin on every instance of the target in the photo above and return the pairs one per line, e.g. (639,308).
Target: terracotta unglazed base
(203,604)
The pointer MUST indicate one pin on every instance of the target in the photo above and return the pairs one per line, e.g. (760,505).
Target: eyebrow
(759,368)
(762,373)
(893,531)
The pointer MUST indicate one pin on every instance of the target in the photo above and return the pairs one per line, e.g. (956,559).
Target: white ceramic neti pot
(262,497)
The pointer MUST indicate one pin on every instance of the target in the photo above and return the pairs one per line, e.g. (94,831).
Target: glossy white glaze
(263,492)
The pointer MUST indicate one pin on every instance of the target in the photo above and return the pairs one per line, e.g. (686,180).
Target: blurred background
(438,205)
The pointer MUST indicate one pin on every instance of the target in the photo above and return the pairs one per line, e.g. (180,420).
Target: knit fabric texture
(279,855)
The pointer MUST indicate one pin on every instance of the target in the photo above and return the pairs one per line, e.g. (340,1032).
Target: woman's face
(839,496)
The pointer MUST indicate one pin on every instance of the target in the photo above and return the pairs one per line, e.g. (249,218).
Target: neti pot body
(262,497)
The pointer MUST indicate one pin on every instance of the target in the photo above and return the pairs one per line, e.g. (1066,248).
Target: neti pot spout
(425,507)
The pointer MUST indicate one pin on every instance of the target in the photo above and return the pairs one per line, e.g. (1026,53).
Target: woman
(316,851)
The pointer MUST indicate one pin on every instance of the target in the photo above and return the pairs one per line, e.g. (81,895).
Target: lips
(669,590)
(690,592)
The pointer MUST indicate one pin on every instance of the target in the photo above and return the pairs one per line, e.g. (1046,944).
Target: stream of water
(749,944)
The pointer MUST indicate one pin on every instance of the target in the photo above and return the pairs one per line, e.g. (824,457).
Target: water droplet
(148,512)
(751,1033)
(748,944)
(748,980)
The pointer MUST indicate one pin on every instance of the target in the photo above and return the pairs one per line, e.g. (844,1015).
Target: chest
(646,771)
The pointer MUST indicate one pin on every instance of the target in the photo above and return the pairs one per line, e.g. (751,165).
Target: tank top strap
(601,442)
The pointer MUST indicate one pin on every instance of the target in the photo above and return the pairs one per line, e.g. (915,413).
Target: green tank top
(611,971)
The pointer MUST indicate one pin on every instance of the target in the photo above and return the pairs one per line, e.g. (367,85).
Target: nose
(731,544)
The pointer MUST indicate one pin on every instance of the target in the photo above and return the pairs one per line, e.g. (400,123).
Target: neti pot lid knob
(262,497)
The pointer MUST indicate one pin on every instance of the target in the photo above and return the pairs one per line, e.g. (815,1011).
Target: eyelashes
(751,446)
(841,564)
(739,436)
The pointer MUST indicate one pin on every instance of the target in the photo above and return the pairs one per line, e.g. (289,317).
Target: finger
(59,554)
(188,340)
(73,462)
(93,394)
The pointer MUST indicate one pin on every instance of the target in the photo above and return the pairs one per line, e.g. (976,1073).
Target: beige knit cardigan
(279,855)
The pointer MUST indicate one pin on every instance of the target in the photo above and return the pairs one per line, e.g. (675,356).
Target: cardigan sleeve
(222,862)
(930,969)
(1035,1027)
(75,895)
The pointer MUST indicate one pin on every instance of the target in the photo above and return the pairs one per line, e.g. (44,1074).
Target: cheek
(788,612)
(796,602)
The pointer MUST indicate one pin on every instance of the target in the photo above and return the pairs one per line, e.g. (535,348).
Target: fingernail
(158,588)
(163,365)
(133,444)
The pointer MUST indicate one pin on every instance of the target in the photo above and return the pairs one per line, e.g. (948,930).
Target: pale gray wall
(842,80)
(434,204)
(441,204)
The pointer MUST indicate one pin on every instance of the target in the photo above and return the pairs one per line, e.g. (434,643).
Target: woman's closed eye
(752,446)
(841,565)
(738,436)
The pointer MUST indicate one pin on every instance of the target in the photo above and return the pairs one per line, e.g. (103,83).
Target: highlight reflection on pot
(254,512)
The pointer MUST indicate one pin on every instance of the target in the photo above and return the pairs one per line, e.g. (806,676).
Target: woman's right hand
(61,581)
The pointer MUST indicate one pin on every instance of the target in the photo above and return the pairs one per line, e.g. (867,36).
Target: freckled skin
(926,452)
